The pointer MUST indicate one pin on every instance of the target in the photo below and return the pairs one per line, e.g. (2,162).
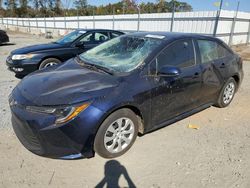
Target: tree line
(50,8)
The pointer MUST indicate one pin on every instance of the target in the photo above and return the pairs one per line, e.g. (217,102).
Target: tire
(108,136)
(49,62)
(229,89)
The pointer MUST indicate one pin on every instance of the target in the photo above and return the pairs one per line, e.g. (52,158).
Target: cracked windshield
(122,54)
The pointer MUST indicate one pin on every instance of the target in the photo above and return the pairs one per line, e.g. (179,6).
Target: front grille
(26,135)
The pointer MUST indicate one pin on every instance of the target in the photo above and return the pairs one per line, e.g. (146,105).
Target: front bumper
(39,135)
(22,67)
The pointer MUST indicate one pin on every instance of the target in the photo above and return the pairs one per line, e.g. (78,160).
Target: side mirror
(169,71)
(79,44)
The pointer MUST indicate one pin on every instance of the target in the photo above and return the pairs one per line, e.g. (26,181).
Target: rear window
(211,50)
(115,34)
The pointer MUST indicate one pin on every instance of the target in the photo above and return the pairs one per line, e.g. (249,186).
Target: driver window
(88,38)
(179,54)
(95,37)
(101,36)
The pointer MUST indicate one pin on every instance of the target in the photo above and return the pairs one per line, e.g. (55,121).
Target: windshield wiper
(104,69)
(94,66)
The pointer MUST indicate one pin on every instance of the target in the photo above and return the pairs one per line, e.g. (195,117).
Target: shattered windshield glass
(121,54)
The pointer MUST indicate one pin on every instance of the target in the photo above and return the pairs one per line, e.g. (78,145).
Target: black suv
(28,59)
(3,37)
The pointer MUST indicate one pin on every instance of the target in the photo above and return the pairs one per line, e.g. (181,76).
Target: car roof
(167,35)
(98,30)
(171,35)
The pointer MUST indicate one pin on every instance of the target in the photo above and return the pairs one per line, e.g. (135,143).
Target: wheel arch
(134,108)
(236,77)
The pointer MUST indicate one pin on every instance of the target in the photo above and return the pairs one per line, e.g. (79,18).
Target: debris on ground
(192,126)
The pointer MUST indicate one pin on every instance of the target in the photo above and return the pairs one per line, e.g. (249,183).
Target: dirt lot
(215,155)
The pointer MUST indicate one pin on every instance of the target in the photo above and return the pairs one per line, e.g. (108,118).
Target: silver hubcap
(119,135)
(228,93)
(50,64)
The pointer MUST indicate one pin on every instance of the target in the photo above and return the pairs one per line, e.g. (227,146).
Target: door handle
(196,75)
(222,65)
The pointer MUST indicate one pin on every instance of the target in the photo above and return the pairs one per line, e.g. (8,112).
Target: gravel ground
(215,155)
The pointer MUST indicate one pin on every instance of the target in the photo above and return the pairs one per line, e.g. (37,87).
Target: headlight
(63,114)
(22,56)
(69,113)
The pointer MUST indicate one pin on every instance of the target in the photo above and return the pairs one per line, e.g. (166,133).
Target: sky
(198,5)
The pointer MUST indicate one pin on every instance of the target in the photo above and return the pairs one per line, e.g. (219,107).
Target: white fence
(232,27)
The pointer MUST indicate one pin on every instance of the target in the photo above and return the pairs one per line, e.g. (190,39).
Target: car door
(67,48)
(226,59)
(213,67)
(172,96)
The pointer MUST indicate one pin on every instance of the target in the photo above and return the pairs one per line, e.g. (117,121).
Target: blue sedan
(99,101)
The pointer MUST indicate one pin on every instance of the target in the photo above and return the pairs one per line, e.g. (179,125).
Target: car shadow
(112,172)
(7,44)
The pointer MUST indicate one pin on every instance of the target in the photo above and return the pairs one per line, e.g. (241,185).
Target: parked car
(4,38)
(102,99)
(28,59)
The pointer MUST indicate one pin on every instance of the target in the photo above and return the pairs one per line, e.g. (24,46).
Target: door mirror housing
(79,44)
(169,71)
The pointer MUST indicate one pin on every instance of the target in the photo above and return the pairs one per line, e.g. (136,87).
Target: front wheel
(49,62)
(116,134)
(227,93)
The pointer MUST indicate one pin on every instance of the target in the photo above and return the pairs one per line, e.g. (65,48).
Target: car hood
(36,48)
(67,84)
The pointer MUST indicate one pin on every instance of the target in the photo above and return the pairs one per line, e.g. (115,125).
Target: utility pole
(93,18)
(78,23)
(233,24)
(172,20)
(113,23)
(139,17)
(217,18)
(123,7)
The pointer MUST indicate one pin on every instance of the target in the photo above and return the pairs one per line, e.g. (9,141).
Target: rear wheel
(227,93)
(49,62)
(116,134)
